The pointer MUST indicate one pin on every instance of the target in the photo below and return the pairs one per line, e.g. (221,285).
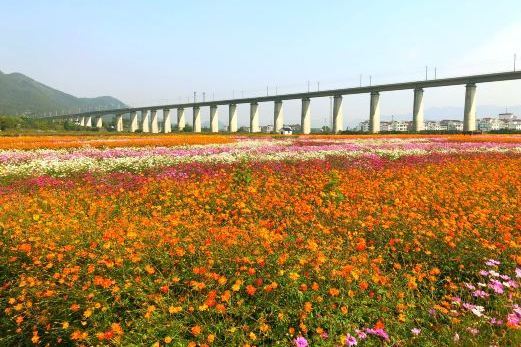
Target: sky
(160,52)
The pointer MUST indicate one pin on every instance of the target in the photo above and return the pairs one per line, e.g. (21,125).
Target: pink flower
(350,341)
(378,332)
(361,335)
(301,342)
(480,294)
(415,331)
(492,262)
(513,319)
(496,286)
(518,272)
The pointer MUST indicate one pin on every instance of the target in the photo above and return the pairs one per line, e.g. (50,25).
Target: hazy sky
(152,52)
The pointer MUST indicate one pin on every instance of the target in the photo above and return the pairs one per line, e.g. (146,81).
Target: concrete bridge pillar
(278,117)
(154,128)
(145,121)
(197,119)
(338,117)
(214,119)
(232,118)
(82,121)
(254,117)
(119,122)
(469,117)
(181,122)
(167,122)
(88,121)
(133,122)
(99,122)
(305,119)
(374,115)
(417,113)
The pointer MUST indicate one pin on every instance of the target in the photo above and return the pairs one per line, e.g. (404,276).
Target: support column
(232,118)
(338,116)
(181,122)
(197,119)
(133,122)
(167,122)
(374,115)
(305,119)
(99,122)
(417,113)
(469,117)
(82,121)
(154,129)
(214,119)
(88,121)
(278,117)
(254,117)
(119,122)
(145,126)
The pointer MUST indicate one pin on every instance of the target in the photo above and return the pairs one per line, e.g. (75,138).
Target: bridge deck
(442,82)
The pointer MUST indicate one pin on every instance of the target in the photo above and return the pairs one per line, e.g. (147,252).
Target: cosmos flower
(350,340)
(301,342)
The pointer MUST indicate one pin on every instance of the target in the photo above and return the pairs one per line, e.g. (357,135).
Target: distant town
(502,122)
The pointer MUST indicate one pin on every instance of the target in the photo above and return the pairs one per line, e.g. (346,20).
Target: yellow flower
(294,276)
(168,339)
(175,309)
(87,313)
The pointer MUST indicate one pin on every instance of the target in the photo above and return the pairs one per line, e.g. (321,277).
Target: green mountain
(20,94)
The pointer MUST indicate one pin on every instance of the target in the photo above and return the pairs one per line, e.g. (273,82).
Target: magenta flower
(496,286)
(350,341)
(378,332)
(301,342)
(513,319)
(416,331)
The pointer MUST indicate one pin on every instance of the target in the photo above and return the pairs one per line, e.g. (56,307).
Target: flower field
(258,241)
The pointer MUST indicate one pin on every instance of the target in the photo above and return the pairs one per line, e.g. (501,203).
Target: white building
(506,116)
(451,125)
(514,124)
(432,126)
(267,128)
(491,124)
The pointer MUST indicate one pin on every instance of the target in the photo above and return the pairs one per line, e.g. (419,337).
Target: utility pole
(360,80)
(435,73)
(195,97)
(318,86)
(308,86)
(267,92)
(426,70)
(515,58)
(370,80)
(204,96)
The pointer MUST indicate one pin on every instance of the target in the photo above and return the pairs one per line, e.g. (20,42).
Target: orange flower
(195,330)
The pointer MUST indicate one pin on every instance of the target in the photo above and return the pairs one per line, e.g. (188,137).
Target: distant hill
(20,94)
